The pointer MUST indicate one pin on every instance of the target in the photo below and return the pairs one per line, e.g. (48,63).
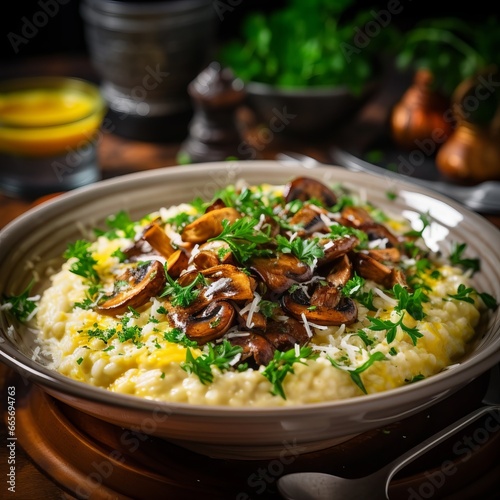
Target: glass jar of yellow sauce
(50,128)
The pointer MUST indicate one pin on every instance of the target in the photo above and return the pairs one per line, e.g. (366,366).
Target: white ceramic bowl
(41,235)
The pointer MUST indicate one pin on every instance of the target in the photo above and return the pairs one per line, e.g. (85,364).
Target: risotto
(266,295)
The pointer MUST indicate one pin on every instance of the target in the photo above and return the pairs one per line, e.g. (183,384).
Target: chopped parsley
(339,231)
(307,250)
(464,293)
(410,301)
(21,306)
(457,259)
(218,355)
(84,261)
(177,336)
(120,225)
(281,365)
(182,296)
(355,373)
(391,328)
(243,238)
(354,289)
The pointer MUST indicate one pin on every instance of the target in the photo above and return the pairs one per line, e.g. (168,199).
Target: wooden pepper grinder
(472,153)
(421,114)
(214,134)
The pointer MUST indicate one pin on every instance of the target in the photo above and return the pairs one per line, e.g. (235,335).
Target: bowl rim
(262,89)
(44,376)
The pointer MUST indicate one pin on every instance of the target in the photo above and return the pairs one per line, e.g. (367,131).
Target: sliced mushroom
(212,254)
(298,305)
(158,240)
(281,271)
(390,254)
(370,268)
(308,220)
(398,278)
(138,249)
(176,263)
(326,296)
(255,347)
(222,282)
(341,272)
(307,188)
(359,218)
(218,203)
(143,282)
(333,249)
(377,231)
(258,321)
(285,334)
(213,322)
(354,216)
(209,225)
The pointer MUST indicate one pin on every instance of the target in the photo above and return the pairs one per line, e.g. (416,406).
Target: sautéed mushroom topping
(270,294)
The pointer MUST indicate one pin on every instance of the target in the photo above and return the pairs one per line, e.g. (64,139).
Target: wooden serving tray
(89,458)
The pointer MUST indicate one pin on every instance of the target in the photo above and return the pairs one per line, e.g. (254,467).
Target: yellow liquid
(44,122)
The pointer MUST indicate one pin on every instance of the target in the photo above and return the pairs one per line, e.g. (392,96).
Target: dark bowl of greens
(305,66)
(304,110)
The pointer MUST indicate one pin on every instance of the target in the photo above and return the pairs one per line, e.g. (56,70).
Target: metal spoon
(321,486)
(483,197)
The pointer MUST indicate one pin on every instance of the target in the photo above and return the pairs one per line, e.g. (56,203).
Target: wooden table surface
(117,156)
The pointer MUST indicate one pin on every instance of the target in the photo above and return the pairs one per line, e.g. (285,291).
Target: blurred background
(111,44)
(64,32)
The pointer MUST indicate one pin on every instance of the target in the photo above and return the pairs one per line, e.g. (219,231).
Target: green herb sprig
(457,259)
(464,294)
(182,296)
(218,355)
(410,301)
(84,264)
(243,239)
(21,306)
(354,289)
(120,225)
(177,336)
(282,364)
(355,374)
(391,328)
(307,250)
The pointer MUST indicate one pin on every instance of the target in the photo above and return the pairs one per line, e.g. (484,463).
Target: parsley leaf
(463,293)
(21,306)
(218,355)
(355,374)
(182,296)
(243,239)
(456,258)
(379,325)
(354,289)
(120,224)
(305,250)
(410,301)
(84,264)
(268,308)
(177,336)
(281,365)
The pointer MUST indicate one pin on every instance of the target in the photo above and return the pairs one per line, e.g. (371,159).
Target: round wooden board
(90,458)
